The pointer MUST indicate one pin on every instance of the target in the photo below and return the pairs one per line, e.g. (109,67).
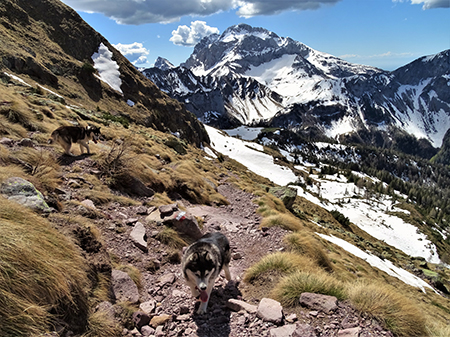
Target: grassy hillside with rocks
(91,244)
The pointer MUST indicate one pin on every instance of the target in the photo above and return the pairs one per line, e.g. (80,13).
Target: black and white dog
(67,135)
(201,265)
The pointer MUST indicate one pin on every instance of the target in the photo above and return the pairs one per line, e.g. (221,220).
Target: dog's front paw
(202,309)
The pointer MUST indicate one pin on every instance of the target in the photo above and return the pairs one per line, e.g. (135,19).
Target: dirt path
(163,285)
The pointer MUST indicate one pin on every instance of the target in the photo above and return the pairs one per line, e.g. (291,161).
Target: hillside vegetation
(56,266)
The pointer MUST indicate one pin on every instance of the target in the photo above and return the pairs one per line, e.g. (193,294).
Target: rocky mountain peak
(300,88)
(163,64)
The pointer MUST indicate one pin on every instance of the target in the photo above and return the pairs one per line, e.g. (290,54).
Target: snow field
(337,194)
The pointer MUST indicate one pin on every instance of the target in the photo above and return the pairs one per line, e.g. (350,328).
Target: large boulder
(181,221)
(319,302)
(24,192)
(285,193)
(270,310)
(123,287)
(184,223)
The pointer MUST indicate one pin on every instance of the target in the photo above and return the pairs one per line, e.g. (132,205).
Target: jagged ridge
(300,88)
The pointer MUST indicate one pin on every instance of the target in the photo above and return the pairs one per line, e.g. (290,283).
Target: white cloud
(134,52)
(136,12)
(249,8)
(429,4)
(190,36)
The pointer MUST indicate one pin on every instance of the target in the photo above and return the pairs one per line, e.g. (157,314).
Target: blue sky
(382,33)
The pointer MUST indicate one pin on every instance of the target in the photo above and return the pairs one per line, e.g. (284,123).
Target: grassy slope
(33,112)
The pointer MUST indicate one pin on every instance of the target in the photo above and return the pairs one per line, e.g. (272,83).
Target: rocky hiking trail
(166,308)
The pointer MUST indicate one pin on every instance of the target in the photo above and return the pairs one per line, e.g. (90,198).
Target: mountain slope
(302,89)
(57,50)
(100,201)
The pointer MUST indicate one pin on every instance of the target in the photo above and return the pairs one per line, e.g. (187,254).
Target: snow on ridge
(415,123)
(384,265)
(336,194)
(107,68)
(245,153)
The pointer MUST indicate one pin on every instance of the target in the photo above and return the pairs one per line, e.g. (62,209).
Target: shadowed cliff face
(51,43)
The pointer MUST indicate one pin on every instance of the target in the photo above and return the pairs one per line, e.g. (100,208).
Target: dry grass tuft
(399,314)
(100,324)
(18,113)
(270,205)
(160,199)
(40,270)
(289,289)
(438,330)
(283,220)
(42,166)
(171,238)
(305,244)
(280,262)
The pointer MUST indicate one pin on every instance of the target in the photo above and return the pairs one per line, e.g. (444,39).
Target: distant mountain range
(251,76)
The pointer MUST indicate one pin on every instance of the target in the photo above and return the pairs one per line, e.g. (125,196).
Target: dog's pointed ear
(207,257)
(194,256)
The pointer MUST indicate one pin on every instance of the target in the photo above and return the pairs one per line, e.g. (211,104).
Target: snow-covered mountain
(163,64)
(252,76)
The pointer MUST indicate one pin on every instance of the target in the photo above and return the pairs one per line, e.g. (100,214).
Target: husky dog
(201,265)
(67,135)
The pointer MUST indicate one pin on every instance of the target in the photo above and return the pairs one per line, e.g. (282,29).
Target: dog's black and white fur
(201,265)
(67,135)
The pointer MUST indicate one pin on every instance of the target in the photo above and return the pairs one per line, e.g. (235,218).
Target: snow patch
(107,68)
(244,132)
(384,265)
(245,153)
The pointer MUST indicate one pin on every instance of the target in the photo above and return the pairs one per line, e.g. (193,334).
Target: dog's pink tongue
(203,296)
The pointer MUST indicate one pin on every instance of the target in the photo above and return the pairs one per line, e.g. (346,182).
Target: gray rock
(139,237)
(270,311)
(141,210)
(291,318)
(304,330)
(107,308)
(319,302)
(184,223)
(286,194)
(166,279)
(6,141)
(140,319)
(24,193)
(88,203)
(26,142)
(237,305)
(147,330)
(130,221)
(123,287)
(148,306)
(352,332)
(283,331)
(167,210)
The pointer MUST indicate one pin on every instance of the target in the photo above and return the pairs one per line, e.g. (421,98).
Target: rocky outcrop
(24,192)
(285,193)
(183,222)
